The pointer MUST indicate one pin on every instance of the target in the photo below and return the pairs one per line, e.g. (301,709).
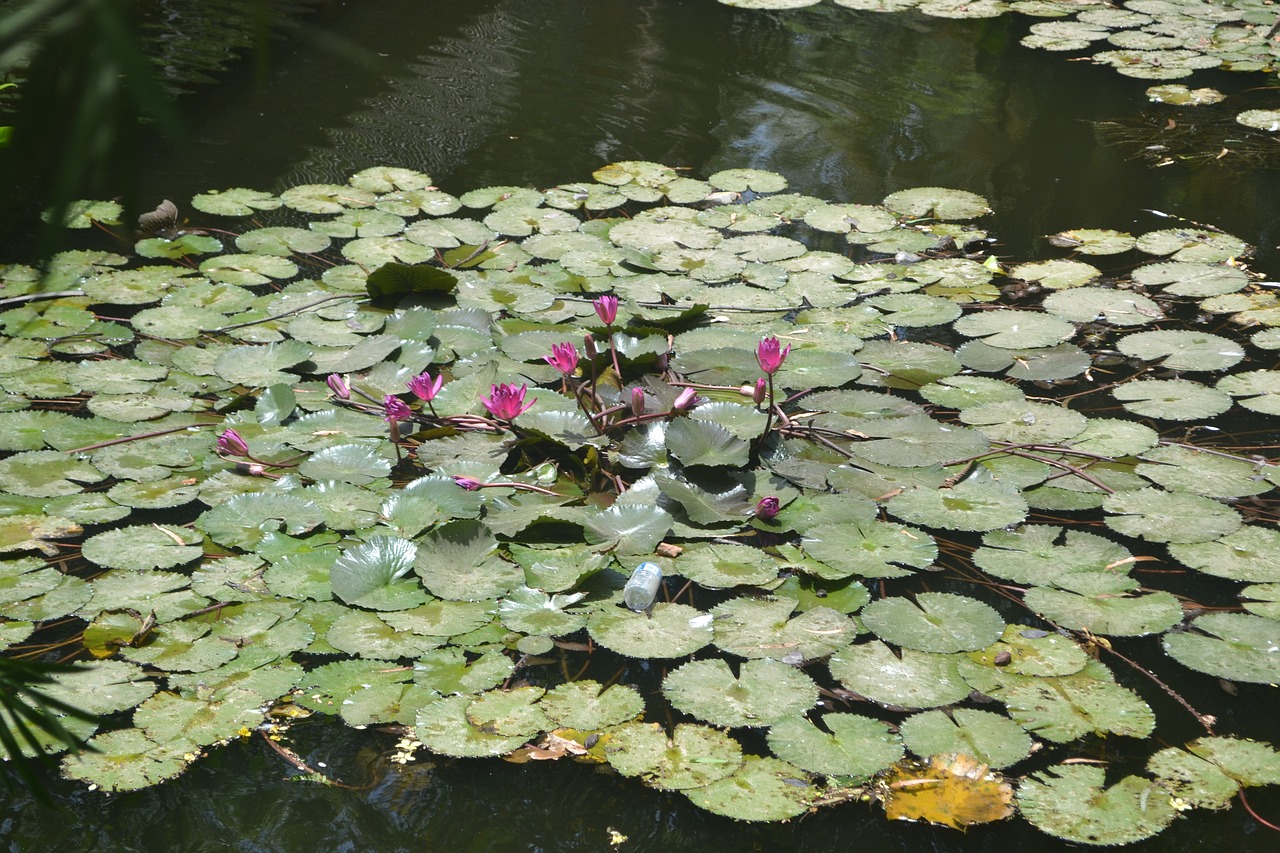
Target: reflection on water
(850,107)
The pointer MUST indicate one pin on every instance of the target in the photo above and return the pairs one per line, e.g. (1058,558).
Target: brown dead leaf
(951,790)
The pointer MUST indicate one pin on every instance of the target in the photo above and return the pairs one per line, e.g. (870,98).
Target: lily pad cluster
(386,453)
(1145,39)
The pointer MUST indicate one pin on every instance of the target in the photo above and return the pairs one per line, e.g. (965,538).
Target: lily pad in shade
(990,738)
(912,680)
(139,548)
(969,505)
(1109,614)
(1176,517)
(1073,802)
(963,392)
(1268,120)
(763,789)
(1058,274)
(916,441)
(872,549)
(1185,469)
(668,631)
(846,745)
(443,728)
(46,474)
(1182,350)
(763,628)
(1062,711)
(1172,399)
(35,533)
(1181,278)
(127,760)
(934,622)
(1235,646)
(587,705)
(692,757)
(763,692)
(696,442)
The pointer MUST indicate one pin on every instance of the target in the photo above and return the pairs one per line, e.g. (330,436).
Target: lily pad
(692,757)
(934,622)
(1073,802)
(763,692)
(850,745)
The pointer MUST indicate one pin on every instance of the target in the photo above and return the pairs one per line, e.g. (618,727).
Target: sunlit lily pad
(668,631)
(1177,517)
(763,628)
(127,760)
(763,692)
(934,622)
(692,757)
(587,705)
(1234,646)
(912,680)
(1172,399)
(850,745)
(1073,802)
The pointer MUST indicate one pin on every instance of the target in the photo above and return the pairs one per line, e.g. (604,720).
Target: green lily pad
(443,728)
(934,622)
(1234,646)
(994,740)
(1073,802)
(509,712)
(1063,711)
(763,628)
(533,611)
(127,760)
(763,789)
(1251,553)
(1177,517)
(763,692)
(692,757)
(937,203)
(1172,399)
(587,705)
(668,631)
(1182,350)
(141,548)
(851,745)
(969,505)
(1109,614)
(912,680)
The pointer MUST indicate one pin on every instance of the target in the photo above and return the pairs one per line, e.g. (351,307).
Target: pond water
(850,107)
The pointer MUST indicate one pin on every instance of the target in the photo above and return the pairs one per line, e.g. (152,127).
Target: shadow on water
(849,106)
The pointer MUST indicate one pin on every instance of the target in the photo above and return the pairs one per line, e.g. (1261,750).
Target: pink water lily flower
(395,409)
(506,401)
(232,444)
(771,354)
(606,309)
(469,483)
(564,358)
(425,387)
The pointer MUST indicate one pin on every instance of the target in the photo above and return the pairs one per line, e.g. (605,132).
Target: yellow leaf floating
(952,790)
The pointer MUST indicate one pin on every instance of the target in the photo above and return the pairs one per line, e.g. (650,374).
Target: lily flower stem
(522,486)
(768,419)
(613,354)
(586,410)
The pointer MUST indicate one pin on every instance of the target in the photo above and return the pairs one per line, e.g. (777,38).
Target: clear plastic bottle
(642,586)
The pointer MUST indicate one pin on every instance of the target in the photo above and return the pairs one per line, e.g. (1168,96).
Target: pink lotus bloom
(564,358)
(230,443)
(339,386)
(606,309)
(395,409)
(637,401)
(506,401)
(424,387)
(767,509)
(771,355)
(469,483)
(685,400)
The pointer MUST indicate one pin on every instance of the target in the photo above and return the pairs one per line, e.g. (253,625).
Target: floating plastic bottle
(642,586)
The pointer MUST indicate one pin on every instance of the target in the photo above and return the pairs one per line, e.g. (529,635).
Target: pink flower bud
(637,401)
(468,483)
(685,400)
(339,386)
(759,392)
(767,509)
(231,444)
(589,346)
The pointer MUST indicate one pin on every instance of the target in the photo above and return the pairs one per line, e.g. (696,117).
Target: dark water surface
(849,107)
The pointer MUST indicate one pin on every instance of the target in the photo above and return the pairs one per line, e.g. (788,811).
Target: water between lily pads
(848,106)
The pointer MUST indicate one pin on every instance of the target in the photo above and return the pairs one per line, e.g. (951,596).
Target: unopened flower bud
(759,392)
(589,346)
(767,509)
(637,401)
(339,386)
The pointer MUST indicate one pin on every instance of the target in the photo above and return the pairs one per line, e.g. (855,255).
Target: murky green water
(849,107)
